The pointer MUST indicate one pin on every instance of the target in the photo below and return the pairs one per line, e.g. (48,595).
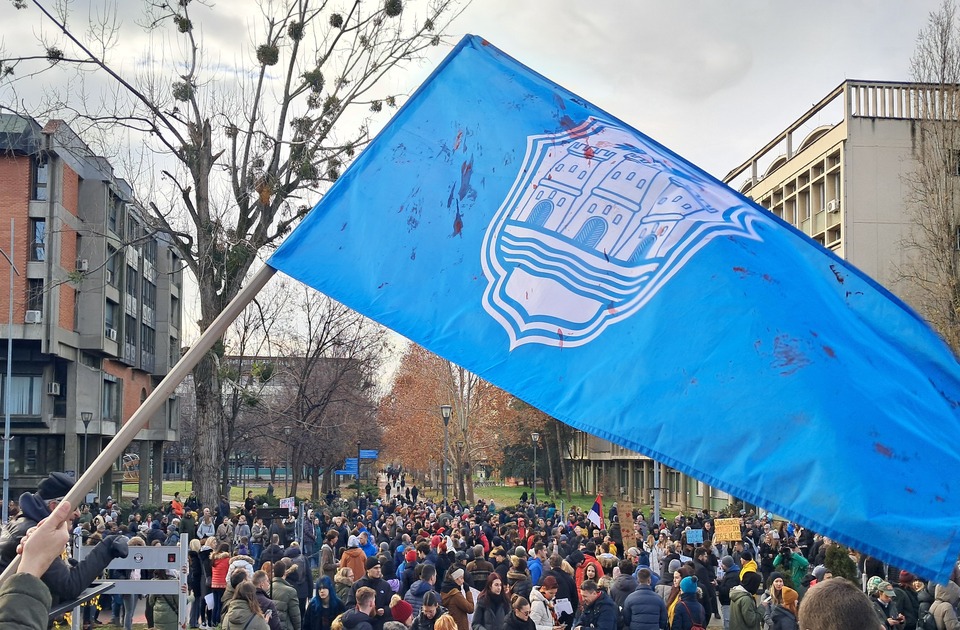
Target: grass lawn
(501,495)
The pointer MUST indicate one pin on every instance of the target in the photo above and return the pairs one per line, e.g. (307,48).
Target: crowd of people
(394,563)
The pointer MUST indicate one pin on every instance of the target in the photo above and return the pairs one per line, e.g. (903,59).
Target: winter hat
(907,578)
(520,552)
(819,571)
(873,584)
(790,599)
(372,562)
(688,585)
(384,546)
(411,555)
(674,565)
(456,574)
(353,541)
(401,611)
(726,561)
(549,583)
(751,581)
(56,486)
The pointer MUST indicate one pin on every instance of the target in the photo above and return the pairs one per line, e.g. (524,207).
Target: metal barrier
(147,559)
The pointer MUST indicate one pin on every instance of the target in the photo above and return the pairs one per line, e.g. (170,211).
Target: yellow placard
(727,529)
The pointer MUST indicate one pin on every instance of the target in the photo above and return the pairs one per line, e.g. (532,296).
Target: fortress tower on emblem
(597,220)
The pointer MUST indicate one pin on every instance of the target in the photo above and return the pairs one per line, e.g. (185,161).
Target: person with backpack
(689,614)
(907,600)
(944,608)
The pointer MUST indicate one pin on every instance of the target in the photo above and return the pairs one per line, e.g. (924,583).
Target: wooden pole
(158,397)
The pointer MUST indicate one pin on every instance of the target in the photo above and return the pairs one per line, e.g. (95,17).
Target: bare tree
(933,268)
(332,356)
(241,147)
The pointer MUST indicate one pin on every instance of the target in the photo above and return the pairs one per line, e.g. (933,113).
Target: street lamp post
(358,474)
(536,443)
(85,417)
(286,477)
(460,487)
(445,411)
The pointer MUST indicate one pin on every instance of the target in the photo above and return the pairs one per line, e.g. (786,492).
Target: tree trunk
(468,473)
(548,482)
(314,483)
(207,453)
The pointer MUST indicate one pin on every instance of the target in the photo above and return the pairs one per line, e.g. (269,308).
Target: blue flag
(517,230)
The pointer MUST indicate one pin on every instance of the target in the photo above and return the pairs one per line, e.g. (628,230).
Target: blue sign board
(369,454)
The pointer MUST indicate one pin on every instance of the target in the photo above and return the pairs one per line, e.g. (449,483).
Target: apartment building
(96,309)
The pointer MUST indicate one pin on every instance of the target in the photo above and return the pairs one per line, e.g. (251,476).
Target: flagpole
(158,397)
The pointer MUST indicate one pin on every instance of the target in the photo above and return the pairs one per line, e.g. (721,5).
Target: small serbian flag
(595,515)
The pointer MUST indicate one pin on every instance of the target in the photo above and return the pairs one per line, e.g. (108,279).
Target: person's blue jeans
(129,606)
(255,550)
(217,605)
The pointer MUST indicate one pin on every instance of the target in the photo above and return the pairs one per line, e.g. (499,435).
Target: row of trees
(299,378)
(492,427)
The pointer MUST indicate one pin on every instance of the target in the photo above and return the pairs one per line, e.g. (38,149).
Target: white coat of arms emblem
(596,222)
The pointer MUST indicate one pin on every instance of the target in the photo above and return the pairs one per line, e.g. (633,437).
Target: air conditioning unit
(53,389)
(833,205)
(109,277)
(33,317)
(112,334)
(82,264)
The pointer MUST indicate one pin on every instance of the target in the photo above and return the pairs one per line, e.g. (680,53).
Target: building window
(131,283)
(35,294)
(25,395)
(111,400)
(148,339)
(110,316)
(113,215)
(38,234)
(150,250)
(149,294)
(41,171)
(111,266)
(32,454)
(130,330)
(174,312)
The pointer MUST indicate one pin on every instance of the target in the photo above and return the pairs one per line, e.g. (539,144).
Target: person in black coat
(707,578)
(599,610)
(519,617)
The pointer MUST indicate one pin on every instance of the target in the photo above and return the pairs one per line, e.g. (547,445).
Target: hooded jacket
(354,558)
(415,594)
(239,615)
(284,596)
(744,613)
(944,608)
(622,586)
(540,609)
(458,602)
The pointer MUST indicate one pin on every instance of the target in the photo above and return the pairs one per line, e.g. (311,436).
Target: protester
(492,605)
(643,609)
(519,619)
(323,607)
(244,612)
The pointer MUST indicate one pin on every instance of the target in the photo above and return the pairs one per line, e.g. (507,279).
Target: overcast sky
(714,80)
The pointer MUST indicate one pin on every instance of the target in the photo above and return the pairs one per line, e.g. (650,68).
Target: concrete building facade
(96,308)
